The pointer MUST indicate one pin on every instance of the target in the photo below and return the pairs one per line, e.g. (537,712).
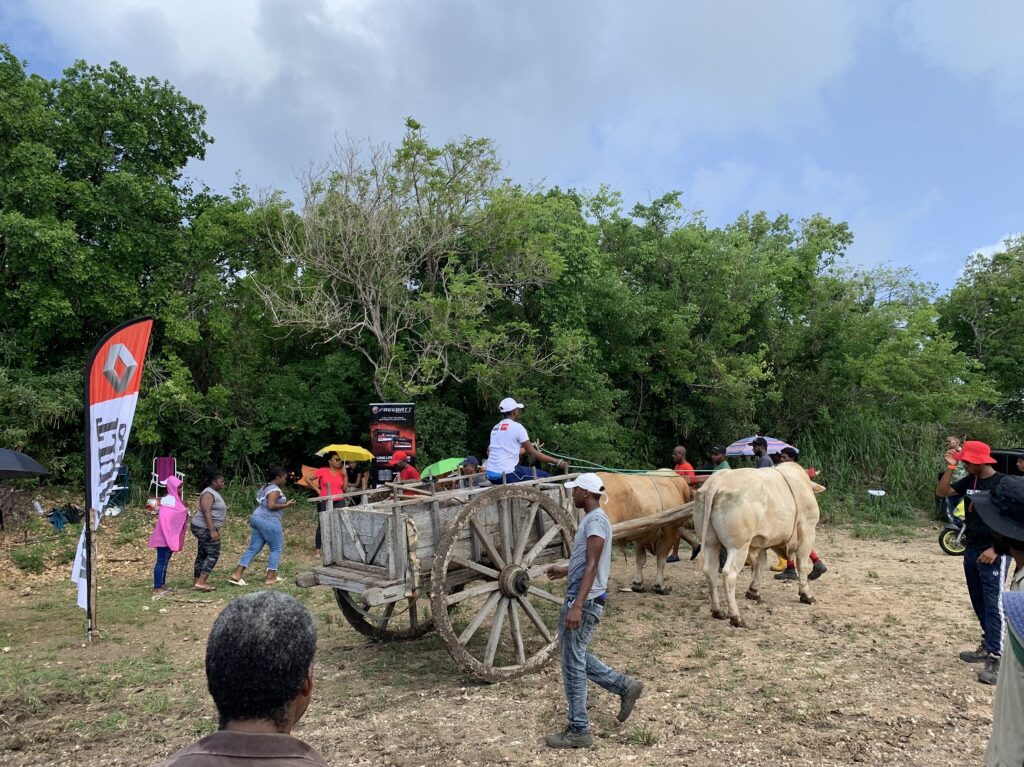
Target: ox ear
(817,488)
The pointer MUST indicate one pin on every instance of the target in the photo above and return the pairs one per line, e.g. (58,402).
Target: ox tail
(708,498)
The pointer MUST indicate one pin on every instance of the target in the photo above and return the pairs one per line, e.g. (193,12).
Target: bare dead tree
(372,262)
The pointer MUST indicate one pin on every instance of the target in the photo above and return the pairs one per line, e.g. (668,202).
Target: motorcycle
(951,539)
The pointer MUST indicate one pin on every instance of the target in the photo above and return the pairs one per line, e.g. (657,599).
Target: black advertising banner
(392,428)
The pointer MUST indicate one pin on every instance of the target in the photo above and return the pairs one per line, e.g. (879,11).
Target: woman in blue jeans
(266,527)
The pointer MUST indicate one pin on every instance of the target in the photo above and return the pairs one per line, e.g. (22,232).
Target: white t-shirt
(506,437)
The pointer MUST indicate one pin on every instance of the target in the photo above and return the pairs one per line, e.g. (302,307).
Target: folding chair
(163,468)
(121,490)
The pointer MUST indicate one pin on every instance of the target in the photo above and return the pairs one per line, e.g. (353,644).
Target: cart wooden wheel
(406,619)
(505,621)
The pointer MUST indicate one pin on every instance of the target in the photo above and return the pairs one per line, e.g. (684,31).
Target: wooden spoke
(389,610)
(545,595)
(540,545)
(384,623)
(477,591)
(480,617)
(488,544)
(482,569)
(517,632)
(495,636)
(506,527)
(535,619)
(524,533)
(499,527)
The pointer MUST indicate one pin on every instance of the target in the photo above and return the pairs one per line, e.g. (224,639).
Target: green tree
(985,313)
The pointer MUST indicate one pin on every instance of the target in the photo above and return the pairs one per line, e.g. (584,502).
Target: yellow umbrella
(347,452)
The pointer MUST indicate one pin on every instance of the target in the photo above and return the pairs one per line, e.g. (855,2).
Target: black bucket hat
(1002,508)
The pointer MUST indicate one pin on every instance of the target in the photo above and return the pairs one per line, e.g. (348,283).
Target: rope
(575,462)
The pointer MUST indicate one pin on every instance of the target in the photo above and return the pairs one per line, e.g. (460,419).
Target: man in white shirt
(507,438)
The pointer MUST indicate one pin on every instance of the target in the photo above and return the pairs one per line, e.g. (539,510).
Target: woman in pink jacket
(169,534)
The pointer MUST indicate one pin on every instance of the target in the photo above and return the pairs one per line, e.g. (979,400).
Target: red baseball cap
(399,456)
(974,452)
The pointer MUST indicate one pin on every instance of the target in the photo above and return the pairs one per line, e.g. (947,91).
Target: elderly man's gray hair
(258,655)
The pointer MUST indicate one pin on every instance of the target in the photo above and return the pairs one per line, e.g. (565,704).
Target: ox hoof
(806,599)
(737,621)
(638,587)
(719,615)
(753,596)
(663,590)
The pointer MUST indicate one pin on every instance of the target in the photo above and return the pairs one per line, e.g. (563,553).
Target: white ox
(749,512)
(632,496)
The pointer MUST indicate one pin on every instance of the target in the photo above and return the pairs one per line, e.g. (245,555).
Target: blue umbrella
(742,446)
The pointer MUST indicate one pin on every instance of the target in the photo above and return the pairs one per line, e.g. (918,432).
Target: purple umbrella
(742,446)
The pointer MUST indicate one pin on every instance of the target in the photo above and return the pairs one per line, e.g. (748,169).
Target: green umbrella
(439,469)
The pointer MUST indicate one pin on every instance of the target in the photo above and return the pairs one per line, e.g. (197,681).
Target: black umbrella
(15,465)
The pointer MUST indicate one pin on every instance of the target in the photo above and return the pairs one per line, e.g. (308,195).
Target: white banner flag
(112,378)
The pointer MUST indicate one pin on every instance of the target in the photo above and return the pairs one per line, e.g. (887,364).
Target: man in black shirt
(984,569)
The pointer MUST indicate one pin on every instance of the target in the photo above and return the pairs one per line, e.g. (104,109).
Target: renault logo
(119,367)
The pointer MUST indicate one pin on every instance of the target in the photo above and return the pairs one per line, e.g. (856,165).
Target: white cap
(508,404)
(589,482)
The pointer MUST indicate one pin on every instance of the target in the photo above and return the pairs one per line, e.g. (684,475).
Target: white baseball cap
(589,482)
(508,404)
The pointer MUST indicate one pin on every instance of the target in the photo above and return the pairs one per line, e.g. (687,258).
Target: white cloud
(577,92)
(974,40)
(996,247)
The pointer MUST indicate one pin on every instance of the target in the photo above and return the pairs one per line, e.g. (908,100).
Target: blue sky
(904,118)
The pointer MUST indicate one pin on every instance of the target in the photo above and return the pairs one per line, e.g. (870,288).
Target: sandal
(239,582)
(205,589)
(272,583)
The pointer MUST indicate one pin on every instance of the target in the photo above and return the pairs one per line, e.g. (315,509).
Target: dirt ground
(867,675)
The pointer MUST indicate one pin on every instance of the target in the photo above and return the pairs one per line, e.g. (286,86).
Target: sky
(904,118)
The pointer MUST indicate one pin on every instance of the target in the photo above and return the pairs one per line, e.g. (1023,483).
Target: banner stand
(113,374)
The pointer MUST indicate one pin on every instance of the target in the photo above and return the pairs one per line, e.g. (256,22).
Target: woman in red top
(329,480)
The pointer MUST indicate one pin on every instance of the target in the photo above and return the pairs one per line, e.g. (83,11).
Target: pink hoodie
(171,522)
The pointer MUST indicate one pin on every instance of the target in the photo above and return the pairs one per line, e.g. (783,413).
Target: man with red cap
(984,568)
(406,471)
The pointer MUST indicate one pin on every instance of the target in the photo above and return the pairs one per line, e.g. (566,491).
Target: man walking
(984,569)
(585,597)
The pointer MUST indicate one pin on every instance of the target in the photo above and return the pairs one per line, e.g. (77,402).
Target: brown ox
(631,496)
(749,512)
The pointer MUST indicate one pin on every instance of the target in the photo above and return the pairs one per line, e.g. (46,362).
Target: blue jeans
(579,665)
(984,584)
(265,530)
(163,558)
(521,473)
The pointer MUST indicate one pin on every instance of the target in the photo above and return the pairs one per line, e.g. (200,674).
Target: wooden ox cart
(469,562)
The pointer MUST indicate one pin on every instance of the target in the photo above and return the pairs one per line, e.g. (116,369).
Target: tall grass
(859,452)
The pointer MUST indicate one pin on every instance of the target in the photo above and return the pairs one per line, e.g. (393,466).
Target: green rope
(575,462)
